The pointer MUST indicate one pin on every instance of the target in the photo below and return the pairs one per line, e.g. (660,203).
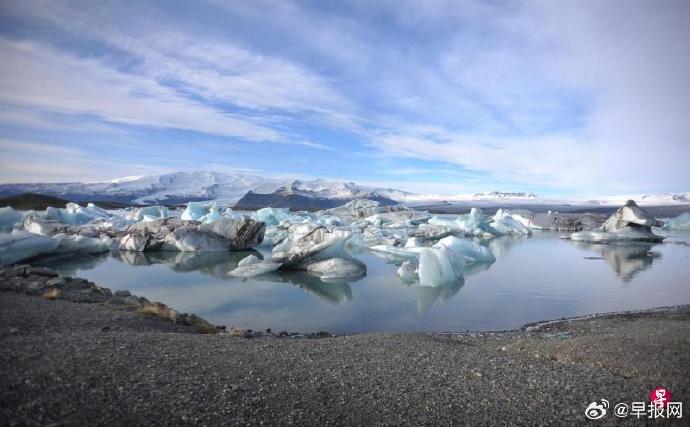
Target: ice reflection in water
(626,259)
(533,279)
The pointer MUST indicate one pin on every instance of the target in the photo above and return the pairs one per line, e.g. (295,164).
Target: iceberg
(337,268)
(8,218)
(319,244)
(20,245)
(251,259)
(149,213)
(272,216)
(407,272)
(440,266)
(224,234)
(73,214)
(255,269)
(681,222)
(472,252)
(471,224)
(628,223)
(207,212)
(81,244)
(505,223)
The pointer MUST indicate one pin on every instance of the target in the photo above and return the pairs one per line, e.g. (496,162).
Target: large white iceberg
(20,245)
(440,266)
(506,223)
(472,252)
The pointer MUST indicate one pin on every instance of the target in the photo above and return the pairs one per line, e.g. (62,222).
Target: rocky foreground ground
(107,361)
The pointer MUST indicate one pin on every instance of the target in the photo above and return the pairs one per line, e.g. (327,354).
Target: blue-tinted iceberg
(73,214)
(271,216)
(8,218)
(440,266)
(472,252)
(20,245)
(681,222)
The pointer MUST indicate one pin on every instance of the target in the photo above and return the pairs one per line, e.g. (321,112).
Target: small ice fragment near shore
(406,272)
(20,245)
(255,269)
(251,259)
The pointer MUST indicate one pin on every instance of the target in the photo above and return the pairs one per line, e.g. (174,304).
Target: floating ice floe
(628,223)
(20,245)
(337,268)
(681,222)
(255,269)
(9,218)
(207,212)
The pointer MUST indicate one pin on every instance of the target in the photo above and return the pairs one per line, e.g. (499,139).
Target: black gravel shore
(69,363)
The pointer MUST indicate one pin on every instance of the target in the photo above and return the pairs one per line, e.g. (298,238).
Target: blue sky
(579,98)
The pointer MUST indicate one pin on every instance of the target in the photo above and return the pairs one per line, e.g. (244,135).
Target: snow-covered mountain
(229,188)
(181,187)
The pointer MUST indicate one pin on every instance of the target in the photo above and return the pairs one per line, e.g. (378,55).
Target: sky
(580,98)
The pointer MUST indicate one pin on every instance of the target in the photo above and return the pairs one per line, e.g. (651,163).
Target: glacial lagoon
(534,278)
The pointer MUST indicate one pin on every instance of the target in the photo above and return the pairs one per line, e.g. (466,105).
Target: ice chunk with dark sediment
(224,234)
(628,223)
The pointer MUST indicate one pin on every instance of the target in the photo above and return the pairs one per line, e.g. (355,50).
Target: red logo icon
(660,397)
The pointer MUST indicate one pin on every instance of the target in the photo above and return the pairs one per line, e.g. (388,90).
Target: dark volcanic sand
(58,366)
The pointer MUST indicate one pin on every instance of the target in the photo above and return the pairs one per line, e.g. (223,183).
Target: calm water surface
(536,278)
